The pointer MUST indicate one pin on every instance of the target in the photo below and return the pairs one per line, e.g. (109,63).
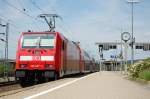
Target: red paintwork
(30,52)
(67,61)
(69,58)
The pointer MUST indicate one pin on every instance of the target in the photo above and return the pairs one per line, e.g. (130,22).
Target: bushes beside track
(10,69)
(140,70)
(1,68)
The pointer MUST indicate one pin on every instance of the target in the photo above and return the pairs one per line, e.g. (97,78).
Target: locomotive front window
(38,41)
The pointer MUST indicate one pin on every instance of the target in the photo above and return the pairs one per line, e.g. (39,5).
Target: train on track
(43,56)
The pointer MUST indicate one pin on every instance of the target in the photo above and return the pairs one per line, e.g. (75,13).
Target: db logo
(36,58)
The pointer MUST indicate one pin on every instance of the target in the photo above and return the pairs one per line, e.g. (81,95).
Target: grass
(145,75)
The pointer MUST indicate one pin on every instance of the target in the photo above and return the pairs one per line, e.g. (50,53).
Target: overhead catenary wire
(23,12)
(52,7)
(43,10)
(64,27)
(19,1)
(3,18)
(68,29)
(38,7)
(12,45)
(16,28)
(18,9)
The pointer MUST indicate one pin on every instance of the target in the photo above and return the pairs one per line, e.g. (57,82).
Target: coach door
(64,50)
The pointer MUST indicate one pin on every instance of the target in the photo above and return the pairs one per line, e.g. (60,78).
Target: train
(43,56)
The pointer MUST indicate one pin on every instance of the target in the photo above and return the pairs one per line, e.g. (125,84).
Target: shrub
(10,68)
(1,69)
(145,75)
(135,69)
(139,67)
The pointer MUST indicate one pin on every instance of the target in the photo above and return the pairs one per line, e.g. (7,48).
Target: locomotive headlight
(49,66)
(23,66)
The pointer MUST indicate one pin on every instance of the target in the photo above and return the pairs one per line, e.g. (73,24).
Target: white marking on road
(55,88)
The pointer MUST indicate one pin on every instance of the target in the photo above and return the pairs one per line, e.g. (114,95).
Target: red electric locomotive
(45,55)
(42,56)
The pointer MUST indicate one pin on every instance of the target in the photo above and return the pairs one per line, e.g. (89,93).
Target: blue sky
(87,21)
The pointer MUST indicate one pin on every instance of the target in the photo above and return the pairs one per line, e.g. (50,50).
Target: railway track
(10,88)
(14,88)
(4,88)
(8,83)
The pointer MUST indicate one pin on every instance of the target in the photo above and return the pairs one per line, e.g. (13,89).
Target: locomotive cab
(36,56)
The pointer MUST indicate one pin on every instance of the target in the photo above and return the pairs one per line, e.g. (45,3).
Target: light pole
(132,2)
(101,56)
(6,47)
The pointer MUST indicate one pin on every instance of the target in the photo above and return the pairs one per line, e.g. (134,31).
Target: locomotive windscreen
(38,41)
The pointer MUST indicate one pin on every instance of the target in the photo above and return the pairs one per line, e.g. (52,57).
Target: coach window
(63,45)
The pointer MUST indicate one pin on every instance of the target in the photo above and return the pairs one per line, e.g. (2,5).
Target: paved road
(104,85)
